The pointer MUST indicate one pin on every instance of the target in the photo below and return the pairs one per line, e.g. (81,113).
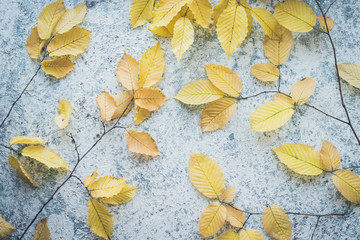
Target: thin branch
(327,10)
(260,93)
(326,114)
(316,225)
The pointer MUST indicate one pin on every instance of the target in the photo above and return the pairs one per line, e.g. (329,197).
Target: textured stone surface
(167,206)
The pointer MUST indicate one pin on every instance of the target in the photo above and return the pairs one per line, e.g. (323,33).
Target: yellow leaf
(141,142)
(267,21)
(202,10)
(295,15)
(223,4)
(140,114)
(329,22)
(229,194)
(6,229)
(64,110)
(123,102)
(199,92)
(235,216)
(348,184)
(126,194)
(266,72)
(277,51)
(276,223)
(100,220)
(26,140)
(250,234)
(46,156)
(271,116)
(34,44)
(302,90)
(350,73)
(152,66)
(21,172)
(127,72)
(206,175)
(42,231)
(300,158)
(228,236)
(140,12)
(285,98)
(217,114)
(232,28)
(224,79)
(212,219)
(90,179)
(71,18)
(107,106)
(149,98)
(163,31)
(49,17)
(58,67)
(183,37)
(73,42)
(107,186)
(330,156)
(165,10)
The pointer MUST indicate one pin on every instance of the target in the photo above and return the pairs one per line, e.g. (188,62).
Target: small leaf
(27,140)
(183,37)
(266,72)
(300,158)
(348,184)
(212,219)
(90,179)
(330,156)
(46,156)
(42,231)
(202,10)
(141,142)
(267,21)
(107,106)
(140,114)
(295,15)
(229,194)
(107,186)
(302,90)
(276,223)
(285,98)
(126,194)
(165,10)
(64,110)
(235,216)
(350,73)
(49,17)
(21,172)
(100,220)
(149,98)
(206,175)
(6,229)
(58,67)
(228,236)
(123,102)
(152,66)
(271,116)
(34,44)
(71,18)
(127,72)
(163,31)
(329,22)
(250,234)
(140,12)
(217,114)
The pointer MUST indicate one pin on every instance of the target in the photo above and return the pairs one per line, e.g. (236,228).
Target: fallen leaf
(350,73)
(212,219)
(165,10)
(140,114)
(202,10)
(183,37)
(149,98)
(348,184)
(267,21)
(6,229)
(266,72)
(106,186)
(235,217)
(90,179)
(330,156)
(27,140)
(100,220)
(140,12)
(141,142)
(276,223)
(34,44)
(302,90)
(42,231)
(49,17)
(152,66)
(21,172)
(126,194)
(127,72)
(71,18)
(228,236)
(329,22)
(229,194)
(123,103)
(58,67)
(107,106)
(250,234)
(64,110)
(44,155)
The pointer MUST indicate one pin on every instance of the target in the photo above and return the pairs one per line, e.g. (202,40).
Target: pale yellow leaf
(163,31)
(127,72)
(140,114)
(250,234)
(42,231)
(350,73)
(266,72)
(217,114)
(64,110)
(152,66)
(235,216)
(212,219)
(202,11)
(302,90)
(165,10)
(329,22)
(224,79)
(34,44)
(206,175)
(6,229)
(348,184)
(71,18)
(295,15)
(141,142)
(330,156)
(100,220)
(126,194)
(149,98)
(183,37)
(300,158)
(44,155)
(26,140)
(228,236)
(271,115)
(107,105)
(21,172)
(107,186)
(58,67)
(267,21)
(49,17)
(285,98)
(123,102)
(229,194)
(199,92)
(276,223)
(73,42)
(140,12)
(90,179)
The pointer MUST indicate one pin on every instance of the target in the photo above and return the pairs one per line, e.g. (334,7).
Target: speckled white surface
(167,206)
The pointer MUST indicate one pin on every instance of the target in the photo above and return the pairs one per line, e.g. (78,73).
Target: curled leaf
(140,114)
(212,219)
(46,156)
(64,110)
(42,231)
(141,142)
(90,179)
(27,140)
(21,172)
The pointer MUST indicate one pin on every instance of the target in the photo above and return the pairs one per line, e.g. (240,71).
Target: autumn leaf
(350,73)
(107,106)
(64,110)
(49,17)
(330,156)
(276,223)
(235,216)
(283,97)
(183,37)
(140,12)
(267,21)
(250,234)
(6,229)
(206,175)
(266,72)
(127,72)
(141,142)
(100,220)
(27,140)
(348,184)
(126,194)
(107,186)
(165,10)
(71,18)
(300,158)
(149,98)
(58,67)
(229,194)
(140,114)
(163,31)
(228,236)
(90,179)
(329,22)
(34,44)
(42,231)
(212,219)
(44,155)
(123,104)
(202,10)
(302,90)
(218,9)
(152,66)
(21,172)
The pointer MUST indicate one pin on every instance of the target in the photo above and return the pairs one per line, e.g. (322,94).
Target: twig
(260,93)
(326,114)
(330,6)
(316,225)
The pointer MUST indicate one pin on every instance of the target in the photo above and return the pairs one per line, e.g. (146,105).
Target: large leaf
(276,223)
(202,10)
(267,21)
(21,172)
(302,90)
(49,17)
(126,194)
(149,98)
(64,110)
(350,73)
(42,231)
(165,10)
(141,142)
(107,186)
(34,44)
(330,156)
(266,72)
(26,140)
(107,106)
(100,220)
(212,219)
(123,102)
(58,67)
(206,175)
(229,194)
(127,72)
(229,236)
(235,217)
(348,184)
(71,18)
(6,229)
(46,156)
(250,234)
(300,158)
(183,37)
(140,12)
(152,66)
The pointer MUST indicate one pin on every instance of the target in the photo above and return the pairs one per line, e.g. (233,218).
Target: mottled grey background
(167,206)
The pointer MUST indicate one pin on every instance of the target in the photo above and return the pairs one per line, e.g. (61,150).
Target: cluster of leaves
(57,35)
